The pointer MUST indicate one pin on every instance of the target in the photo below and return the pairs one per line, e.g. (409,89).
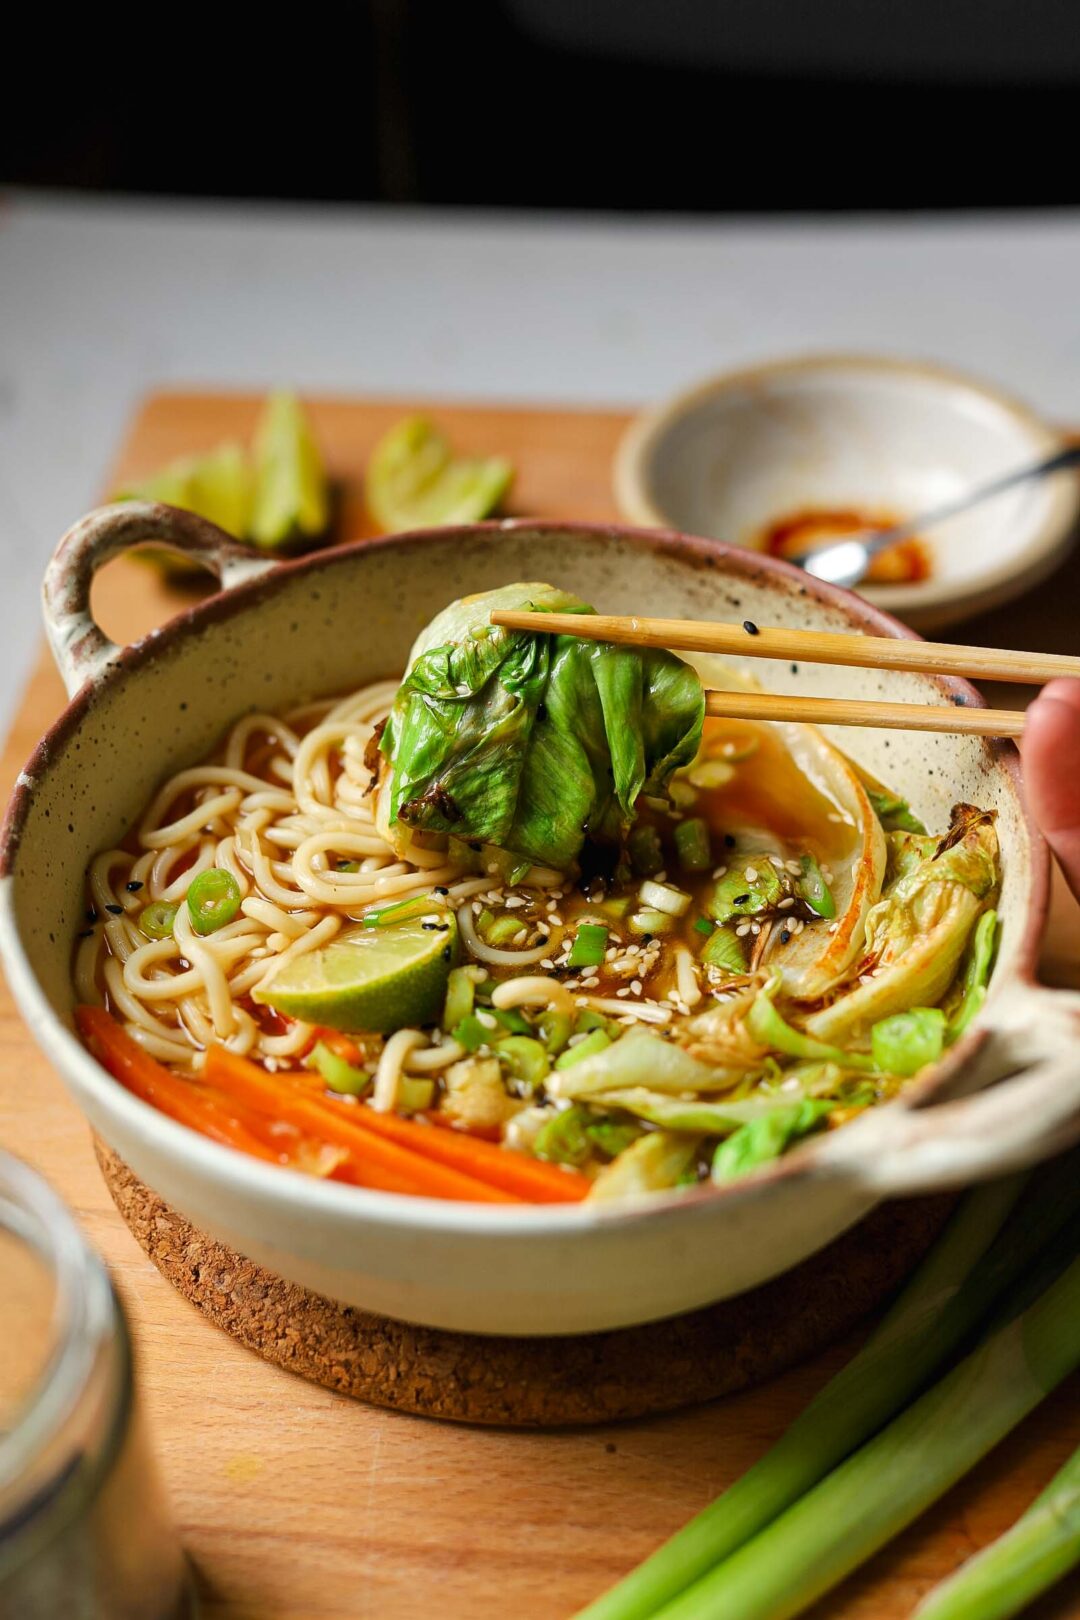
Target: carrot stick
(149,1080)
(382,1163)
(531,1179)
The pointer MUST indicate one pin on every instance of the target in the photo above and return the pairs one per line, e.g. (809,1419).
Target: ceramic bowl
(734,454)
(280,634)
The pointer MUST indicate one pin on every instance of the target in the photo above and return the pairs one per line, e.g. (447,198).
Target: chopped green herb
(590,943)
(213,900)
(156,919)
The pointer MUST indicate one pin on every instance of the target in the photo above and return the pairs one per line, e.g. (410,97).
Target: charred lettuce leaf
(532,743)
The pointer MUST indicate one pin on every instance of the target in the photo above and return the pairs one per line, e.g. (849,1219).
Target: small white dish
(730,457)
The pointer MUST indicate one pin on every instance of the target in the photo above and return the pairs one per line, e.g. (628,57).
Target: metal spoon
(848,561)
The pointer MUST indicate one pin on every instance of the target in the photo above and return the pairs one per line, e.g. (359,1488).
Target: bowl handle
(1029,1065)
(82,651)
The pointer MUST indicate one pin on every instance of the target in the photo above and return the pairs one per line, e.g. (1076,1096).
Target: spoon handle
(881,539)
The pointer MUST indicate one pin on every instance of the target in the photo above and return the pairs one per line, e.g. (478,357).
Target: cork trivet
(533,1383)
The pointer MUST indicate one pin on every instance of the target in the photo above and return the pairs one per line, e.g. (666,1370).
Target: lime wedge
(215,486)
(291,500)
(371,978)
(415,481)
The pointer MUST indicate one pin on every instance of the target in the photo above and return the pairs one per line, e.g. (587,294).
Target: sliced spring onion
(812,888)
(651,922)
(704,925)
(590,943)
(460,996)
(894,813)
(414,1095)
(907,1041)
(554,1028)
(563,1139)
(418,905)
(472,1034)
(156,920)
(504,928)
(340,1076)
(213,900)
(526,1059)
(736,895)
(616,907)
(597,1040)
(692,844)
(644,849)
(760,1141)
(588,1019)
(663,897)
(510,1018)
(725,950)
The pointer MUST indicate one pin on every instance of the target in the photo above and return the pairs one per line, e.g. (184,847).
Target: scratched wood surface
(297,1504)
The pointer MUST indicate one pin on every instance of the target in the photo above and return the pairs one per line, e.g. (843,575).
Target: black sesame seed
(91,915)
(116,911)
(750,627)
(784,936)
(87,933)
(438,889)
(448,955)
(740,900)
(794,669)
(729,840)
(134,886)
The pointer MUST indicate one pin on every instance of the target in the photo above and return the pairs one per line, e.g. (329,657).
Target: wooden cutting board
(299,1504)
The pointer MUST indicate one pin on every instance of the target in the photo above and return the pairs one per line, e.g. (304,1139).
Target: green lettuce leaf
(530,742)
(906,1042)
(765,1139)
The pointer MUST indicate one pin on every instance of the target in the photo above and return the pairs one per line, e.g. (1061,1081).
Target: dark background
(692,105)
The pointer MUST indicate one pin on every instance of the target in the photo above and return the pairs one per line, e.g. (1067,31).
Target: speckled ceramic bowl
(279,634)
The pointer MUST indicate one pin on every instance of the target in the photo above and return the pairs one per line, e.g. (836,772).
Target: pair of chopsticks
(822,647)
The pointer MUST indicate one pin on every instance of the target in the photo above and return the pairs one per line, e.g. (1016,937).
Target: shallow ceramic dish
(279,634)
(733,454)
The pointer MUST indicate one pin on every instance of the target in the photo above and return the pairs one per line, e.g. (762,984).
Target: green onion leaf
(692,844)
(812,888)
(511,1019)
(703,925)
(502,929)
(907,1041)
(340,1076)
(554,1027)
(472,1034)
(156,920)
(590,943)
(213,900)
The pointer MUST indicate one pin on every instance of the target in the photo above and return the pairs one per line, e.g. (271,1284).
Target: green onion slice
(340,1076)
(213,900)
(156,920)
(590,943)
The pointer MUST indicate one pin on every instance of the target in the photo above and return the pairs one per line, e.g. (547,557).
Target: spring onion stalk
(648,921)
(645,851)
(460,997)
(590,943)
(1005,1577)
(897,1475)
(725,950)
(213,900)
(980,1255)
(525,1058)
(555,1028)
(812,888)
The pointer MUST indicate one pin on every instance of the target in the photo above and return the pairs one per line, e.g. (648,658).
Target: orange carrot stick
(531,1179)
(141,1074)
(382,1163)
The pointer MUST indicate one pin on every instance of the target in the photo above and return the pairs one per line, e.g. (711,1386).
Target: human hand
(1050,749)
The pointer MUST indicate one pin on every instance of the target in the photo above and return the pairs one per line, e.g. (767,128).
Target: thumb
(1051,755)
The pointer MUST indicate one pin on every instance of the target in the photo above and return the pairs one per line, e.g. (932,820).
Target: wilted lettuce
(528,742)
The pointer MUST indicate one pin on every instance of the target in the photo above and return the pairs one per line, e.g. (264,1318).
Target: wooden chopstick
(815,711)
(821,647)
(806,646)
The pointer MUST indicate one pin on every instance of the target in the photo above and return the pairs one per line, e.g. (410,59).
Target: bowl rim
(1051,537)
(200,1156)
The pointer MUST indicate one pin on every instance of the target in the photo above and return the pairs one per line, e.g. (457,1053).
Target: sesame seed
(590,983)
(782,905)
(742,930)
(625,991)
(134,886)
(488,1020)
(750,627)
(546,962)
(750,874)
(635,987)
(719,871)
(115,911)
(514,900)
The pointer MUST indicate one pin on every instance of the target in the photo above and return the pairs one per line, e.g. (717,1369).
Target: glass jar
(84,1530)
